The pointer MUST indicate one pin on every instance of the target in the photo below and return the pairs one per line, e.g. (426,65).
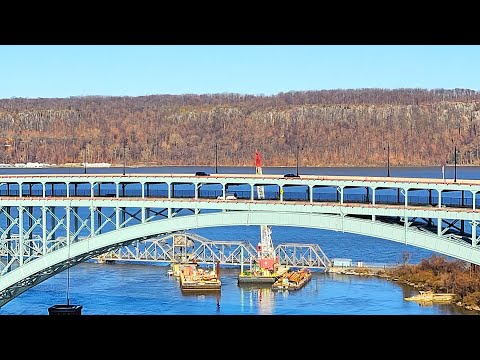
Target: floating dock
(293,280)
(197,279)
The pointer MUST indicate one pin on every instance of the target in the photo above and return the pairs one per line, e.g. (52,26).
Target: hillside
(334,128)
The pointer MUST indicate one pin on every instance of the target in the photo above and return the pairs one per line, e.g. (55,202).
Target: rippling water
(133,289)
(125,289)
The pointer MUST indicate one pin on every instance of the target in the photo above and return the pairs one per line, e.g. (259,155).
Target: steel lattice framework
(182,246)
(48,223)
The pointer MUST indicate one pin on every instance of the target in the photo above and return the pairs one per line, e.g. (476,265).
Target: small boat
(170,272)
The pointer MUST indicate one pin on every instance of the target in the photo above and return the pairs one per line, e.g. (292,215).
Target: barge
(193,278)
(261,276)
(293,280)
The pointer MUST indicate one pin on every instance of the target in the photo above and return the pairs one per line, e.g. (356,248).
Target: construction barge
(293,280)
(193,278)
(261,276)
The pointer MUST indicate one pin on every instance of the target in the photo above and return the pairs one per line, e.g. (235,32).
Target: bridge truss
(184,247)
(49,223)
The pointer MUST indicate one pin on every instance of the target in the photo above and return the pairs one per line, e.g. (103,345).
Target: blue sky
(77,70)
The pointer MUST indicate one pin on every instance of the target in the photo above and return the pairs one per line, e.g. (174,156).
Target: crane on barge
(265,251)
(266,268)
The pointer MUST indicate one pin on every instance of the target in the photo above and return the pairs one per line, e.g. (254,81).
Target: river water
(132,289)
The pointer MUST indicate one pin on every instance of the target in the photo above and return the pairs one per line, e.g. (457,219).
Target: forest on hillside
(327,127)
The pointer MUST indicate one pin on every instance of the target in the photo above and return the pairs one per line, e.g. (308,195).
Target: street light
(455,157)
(85,159)
(216,157)
(388,159)
(298,149)
(124,157)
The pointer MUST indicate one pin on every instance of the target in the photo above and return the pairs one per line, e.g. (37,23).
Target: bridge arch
(36,271)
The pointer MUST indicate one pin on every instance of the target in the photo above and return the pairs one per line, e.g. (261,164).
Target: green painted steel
(257,205)
(335,216)
(309,180)
(91,247)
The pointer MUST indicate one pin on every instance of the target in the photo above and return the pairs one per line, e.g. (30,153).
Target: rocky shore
(388,274)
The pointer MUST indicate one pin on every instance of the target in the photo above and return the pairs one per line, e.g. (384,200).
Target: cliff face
(331,128)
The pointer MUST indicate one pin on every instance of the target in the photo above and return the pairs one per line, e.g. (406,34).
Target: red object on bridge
(258,159)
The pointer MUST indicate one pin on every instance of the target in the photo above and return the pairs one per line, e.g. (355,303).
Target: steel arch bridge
(44,233)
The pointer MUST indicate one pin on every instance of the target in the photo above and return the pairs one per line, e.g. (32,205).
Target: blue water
(121,289)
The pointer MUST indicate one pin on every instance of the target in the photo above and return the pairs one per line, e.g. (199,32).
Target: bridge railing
(414,200)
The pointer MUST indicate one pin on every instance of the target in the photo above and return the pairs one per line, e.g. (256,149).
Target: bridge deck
(51,222)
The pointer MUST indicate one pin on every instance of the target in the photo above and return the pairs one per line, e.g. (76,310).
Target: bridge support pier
(44,229)
(20,234)
(439,226)
(67,214)
(10,244)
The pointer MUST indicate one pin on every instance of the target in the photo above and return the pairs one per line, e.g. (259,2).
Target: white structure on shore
(27,165)
(97,165)
(44,165)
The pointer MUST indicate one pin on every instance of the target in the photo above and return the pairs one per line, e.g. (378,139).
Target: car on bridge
(201,173)
(227,197)
(290,175)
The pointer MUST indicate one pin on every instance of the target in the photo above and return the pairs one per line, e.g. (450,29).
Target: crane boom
(265,250)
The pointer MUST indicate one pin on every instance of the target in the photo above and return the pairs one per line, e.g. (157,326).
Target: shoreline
(383,274)
(140,165)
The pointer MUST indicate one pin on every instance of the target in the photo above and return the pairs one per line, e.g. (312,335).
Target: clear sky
(62,71)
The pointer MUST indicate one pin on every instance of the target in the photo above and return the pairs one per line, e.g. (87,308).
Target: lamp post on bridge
(124,156)
(388,159)
(298,150)
(455,159)
(85,159)
(216,158)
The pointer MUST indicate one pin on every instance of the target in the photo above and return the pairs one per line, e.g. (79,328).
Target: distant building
(342,262)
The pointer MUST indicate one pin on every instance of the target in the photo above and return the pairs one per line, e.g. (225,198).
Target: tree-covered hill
(331,128)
